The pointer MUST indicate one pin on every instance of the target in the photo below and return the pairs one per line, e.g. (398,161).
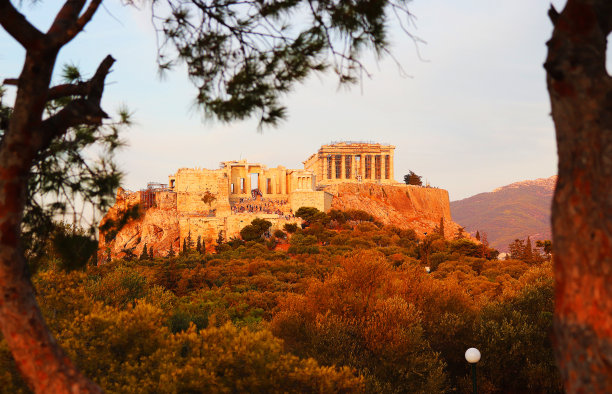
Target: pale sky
(472,116)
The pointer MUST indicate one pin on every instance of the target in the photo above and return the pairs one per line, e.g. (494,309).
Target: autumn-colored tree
(352,319)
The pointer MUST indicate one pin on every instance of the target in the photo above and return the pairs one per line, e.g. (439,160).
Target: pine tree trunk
(39,358)
(581,99)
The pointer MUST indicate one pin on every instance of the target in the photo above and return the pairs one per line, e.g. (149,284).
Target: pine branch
(19,27)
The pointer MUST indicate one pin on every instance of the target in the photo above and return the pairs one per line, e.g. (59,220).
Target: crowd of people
(263,205)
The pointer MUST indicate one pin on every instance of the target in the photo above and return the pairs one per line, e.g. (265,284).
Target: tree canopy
(413,179)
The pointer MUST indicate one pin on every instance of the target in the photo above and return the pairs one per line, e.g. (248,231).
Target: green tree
(307,213)
(546,248)
(208,198)
(256,230)
(185,249)
(460,233)
(64,181)
(528,255)
(73,247)
(187,244)
(144,255)
(413,179)
(517,249)
(290,228)
(170,251)
(477,235)
(199,245)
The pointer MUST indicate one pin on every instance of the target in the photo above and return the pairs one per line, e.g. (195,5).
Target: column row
(357,167)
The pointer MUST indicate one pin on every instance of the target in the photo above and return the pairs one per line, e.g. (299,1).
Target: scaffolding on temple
(147,196)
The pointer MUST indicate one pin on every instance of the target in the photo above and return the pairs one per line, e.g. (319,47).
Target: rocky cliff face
(126,228)
(404,206)
(129,228)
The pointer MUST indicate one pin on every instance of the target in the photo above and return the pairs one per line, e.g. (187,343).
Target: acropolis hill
(212,204)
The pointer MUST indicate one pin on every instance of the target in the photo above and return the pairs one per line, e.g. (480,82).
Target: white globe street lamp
(472,355)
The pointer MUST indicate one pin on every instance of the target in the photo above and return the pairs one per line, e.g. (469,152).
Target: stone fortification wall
(165,200)
(208,228)
(205,227)
(192,184)
(318,199)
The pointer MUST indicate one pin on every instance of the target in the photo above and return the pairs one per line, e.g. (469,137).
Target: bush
(73,248)
(280,234)
(256,230)
(307,213)
(358,215)
(119,288)
(131,351)
(350,319)
(303,244)
(290,227)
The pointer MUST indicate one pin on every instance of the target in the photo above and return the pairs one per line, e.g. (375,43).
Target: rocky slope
(419,208)
(158,228)
(513,211)
(126,228)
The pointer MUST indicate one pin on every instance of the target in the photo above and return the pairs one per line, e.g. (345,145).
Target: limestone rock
(158,228)
(163,226)
(404,206)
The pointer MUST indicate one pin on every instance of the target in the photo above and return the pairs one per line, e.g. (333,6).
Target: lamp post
(472,355)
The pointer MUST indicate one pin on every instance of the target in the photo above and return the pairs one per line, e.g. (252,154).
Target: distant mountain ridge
(548,183)
(513,211)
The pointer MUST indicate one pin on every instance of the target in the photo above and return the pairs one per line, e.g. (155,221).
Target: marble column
(247,180)
(362,167)
(283,182)
(373,167)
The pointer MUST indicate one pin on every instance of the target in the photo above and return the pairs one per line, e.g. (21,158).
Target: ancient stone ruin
(217,204)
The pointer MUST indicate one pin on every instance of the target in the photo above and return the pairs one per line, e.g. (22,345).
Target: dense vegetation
(342,305)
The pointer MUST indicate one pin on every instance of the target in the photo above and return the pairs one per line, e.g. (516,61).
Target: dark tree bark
(581,98)
(40,360)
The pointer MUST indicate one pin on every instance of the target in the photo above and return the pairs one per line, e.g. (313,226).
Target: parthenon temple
(352,162)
